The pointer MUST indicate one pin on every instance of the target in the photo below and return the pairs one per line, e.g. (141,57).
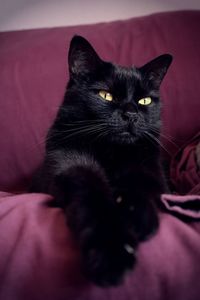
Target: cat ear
(155,70)
(82,58)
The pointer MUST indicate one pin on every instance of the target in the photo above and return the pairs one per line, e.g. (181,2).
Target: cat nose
(129,112)
(129,115)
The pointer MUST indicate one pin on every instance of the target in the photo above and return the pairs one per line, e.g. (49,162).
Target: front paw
(106,266)
(139,214)
(146,222)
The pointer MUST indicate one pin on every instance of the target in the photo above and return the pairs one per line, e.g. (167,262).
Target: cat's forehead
(126,74)
(118,79)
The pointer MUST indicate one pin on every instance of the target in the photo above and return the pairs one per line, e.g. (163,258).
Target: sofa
(39,258)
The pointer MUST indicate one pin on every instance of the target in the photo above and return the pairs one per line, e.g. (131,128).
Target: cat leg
(139,198)
(81,187)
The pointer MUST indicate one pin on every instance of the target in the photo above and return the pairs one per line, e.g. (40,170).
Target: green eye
(145,101)
(105,95)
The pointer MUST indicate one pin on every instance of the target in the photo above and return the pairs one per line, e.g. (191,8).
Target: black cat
(102,160)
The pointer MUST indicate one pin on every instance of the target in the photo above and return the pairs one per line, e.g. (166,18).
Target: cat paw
(146,223)
(139,217)
(107,267)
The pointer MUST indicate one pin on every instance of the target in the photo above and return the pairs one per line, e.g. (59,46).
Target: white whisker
(157,141)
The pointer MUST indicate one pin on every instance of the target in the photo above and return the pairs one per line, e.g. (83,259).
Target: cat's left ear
(155,70)
(82,58)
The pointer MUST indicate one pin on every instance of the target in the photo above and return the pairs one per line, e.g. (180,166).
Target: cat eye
(105,95)
(145,101)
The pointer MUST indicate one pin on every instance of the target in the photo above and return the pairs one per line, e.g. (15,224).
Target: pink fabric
(34,73)
(183,206)
(39,260)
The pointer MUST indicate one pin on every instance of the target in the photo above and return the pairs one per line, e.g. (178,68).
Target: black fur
(102,159)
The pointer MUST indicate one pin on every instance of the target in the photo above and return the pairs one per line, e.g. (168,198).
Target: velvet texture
(38,258)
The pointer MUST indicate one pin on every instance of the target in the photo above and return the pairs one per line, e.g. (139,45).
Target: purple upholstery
(185,175)
(38,258)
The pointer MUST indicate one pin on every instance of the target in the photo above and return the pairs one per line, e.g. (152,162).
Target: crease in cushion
(183,206)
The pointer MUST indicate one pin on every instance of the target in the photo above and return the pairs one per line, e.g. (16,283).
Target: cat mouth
(126,134)
(127,137)
(129,131)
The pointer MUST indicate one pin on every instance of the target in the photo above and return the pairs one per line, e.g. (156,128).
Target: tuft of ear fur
(156,69)
(82,58)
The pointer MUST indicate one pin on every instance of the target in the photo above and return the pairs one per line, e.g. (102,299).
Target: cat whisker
(56,134)
(63,135)
(82,131)
(99,121)
(169,140)
(102,134)
(157,141)
(165,136)
(79,128)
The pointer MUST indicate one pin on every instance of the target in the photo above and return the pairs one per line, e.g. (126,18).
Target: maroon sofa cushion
(38,258)
(33,75)
(184,170)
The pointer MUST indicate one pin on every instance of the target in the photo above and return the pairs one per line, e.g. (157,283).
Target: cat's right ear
(82,58)
(155,70)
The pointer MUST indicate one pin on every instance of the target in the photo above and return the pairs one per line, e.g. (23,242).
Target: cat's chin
(125,138)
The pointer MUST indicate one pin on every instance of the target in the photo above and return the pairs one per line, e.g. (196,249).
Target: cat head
(121,103)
